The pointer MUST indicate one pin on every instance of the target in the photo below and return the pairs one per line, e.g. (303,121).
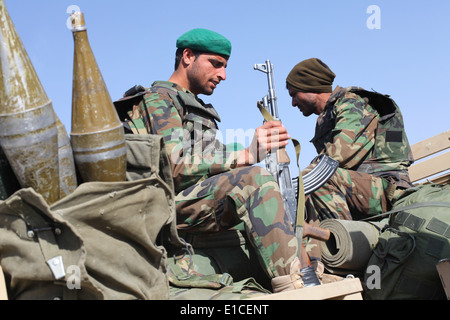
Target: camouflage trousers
(248,195)
(348,195)
(351,195)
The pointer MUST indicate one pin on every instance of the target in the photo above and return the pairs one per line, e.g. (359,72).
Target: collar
(171,85)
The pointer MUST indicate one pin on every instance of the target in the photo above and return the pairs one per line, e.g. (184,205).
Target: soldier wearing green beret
(216,186)
(362,130)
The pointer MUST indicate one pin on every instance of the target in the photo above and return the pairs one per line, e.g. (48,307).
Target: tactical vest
(190,109)
(199,122)
(391,154)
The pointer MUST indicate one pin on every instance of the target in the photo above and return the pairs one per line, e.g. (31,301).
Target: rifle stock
(315,232)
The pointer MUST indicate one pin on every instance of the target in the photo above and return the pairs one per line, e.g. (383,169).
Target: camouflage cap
(205,41)
(311,75)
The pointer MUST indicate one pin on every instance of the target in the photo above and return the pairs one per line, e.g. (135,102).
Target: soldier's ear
(188,57)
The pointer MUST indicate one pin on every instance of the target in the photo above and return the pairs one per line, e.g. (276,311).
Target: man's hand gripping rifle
(278,165)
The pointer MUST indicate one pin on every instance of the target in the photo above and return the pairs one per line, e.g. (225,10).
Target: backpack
(403,263)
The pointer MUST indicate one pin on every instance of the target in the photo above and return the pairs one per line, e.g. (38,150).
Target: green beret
(311,75)
(205,41)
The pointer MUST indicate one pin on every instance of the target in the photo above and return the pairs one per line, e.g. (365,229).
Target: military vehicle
(94,218)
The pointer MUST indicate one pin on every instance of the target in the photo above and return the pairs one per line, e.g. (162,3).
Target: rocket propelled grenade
(28,133)
(97,135)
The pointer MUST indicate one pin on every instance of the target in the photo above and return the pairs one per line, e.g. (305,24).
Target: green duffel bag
(106,240)
(403,264)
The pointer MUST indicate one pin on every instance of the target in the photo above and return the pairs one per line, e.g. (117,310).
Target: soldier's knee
(260,175)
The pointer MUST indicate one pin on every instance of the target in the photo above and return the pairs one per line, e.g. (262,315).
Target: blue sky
(134,43)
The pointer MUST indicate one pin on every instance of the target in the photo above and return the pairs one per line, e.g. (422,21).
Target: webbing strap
(411,206)
(440,227)
(409,220)
(415,223)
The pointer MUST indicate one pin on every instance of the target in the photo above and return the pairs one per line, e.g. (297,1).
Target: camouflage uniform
(211,194)
(364,131)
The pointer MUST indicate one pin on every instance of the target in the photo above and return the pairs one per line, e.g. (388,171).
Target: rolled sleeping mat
(350,245)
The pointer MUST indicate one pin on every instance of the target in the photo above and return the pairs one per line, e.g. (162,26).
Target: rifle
(292,191)
(278,163)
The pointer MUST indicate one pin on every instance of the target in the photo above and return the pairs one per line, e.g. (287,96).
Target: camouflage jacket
(189,128)
(364,131)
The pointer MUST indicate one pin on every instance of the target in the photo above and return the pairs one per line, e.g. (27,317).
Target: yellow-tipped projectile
(28,133)
(97,135)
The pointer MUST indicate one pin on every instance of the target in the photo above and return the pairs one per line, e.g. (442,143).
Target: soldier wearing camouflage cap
(216,186)
(362,130)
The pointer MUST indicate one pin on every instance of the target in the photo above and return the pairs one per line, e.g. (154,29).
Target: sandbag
(350,245)
(103,241)
(403,264)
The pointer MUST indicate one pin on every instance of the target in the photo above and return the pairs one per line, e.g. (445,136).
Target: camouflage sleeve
(354,133)
(191,161)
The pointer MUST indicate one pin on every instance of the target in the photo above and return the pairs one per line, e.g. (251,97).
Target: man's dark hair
(179,55)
